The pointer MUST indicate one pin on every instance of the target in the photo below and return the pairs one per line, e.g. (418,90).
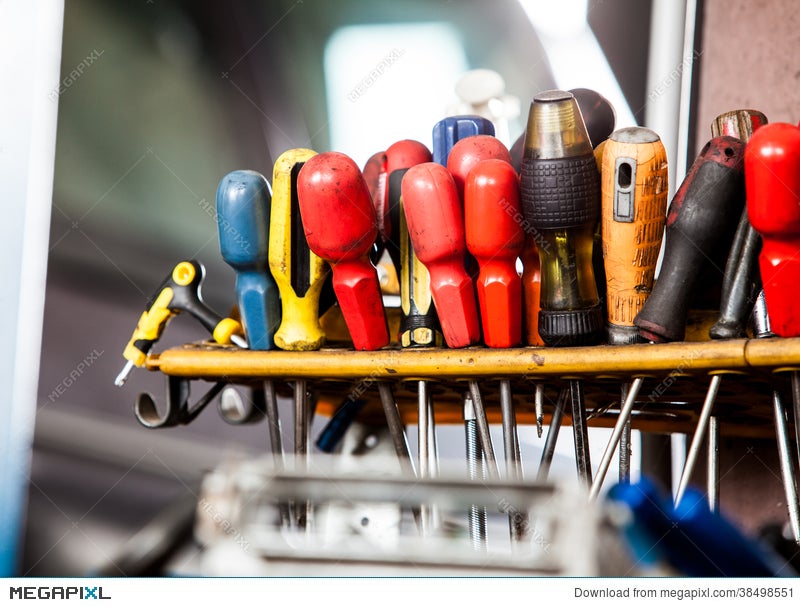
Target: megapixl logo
(57,592)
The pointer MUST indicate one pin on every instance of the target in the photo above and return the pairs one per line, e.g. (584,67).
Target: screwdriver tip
(539,423)
(239,341)
(123,375)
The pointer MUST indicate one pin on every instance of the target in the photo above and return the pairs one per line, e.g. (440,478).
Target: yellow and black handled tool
(179,292)
(298,272)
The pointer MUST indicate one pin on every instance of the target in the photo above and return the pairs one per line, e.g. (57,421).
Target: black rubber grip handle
(704,210)
(560,193)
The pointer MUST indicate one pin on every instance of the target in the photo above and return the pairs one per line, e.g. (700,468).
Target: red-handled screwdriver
(340,225)
(468,152)
(436,228)
(772,184)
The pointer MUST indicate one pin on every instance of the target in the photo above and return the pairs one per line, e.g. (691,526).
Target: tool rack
(676,378)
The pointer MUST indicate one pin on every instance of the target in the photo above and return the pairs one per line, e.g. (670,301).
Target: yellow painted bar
(217,362)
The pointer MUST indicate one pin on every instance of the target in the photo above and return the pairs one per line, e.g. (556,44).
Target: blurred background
(171,96)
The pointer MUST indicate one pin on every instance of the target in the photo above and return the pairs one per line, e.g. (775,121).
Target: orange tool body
(634,204)
(340,225)
(495,238)
(436,228)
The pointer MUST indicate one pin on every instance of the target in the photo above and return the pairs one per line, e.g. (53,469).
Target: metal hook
(178,412)
(237,411)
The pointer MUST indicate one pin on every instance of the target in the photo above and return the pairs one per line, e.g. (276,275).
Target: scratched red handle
(468,152)
(340,225)
(772,183)
(436,228)
(495,237)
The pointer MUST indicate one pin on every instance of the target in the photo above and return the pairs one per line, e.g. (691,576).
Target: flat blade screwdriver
(634,205)
(560,194)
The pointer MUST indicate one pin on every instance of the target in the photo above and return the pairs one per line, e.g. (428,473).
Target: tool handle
(243,217)
(634,204)
(436,228)
(419,323)
(495,238)
(531,291)
(340,225)
(772,165)
(299,274)
(468,152)
(450,130)
(702,212)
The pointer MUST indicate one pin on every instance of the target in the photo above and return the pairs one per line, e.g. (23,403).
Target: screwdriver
(468,152)
(449,131)
(531,292)
(560,195)
(634,204)
(436,228)
(772,167)
(419,324)
(243,201)
(298,273)
(495,239)
(700,220)
(340,225)
(178,292)
(742,280)
(740,284)
(761,330)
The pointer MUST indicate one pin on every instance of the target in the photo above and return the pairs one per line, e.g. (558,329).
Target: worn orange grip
(634,204)
(436,228)
(495,238)
(531,291)
(340,225)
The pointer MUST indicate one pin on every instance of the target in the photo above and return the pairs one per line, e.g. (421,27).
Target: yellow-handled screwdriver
(178,292)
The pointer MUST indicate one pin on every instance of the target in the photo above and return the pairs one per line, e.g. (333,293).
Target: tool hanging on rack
(178,292)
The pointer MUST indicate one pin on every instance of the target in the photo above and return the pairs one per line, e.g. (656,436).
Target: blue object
(337,426)
(243,204)
(449,131)
(689,537)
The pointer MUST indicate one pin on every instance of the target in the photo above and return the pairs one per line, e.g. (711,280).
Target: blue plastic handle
(243,203)
(449,131)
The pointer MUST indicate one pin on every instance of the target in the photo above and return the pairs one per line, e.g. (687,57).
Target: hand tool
(468,152)
(742,280)
(560,194)
(298,273)
(340,225)
(419,324)
(243,214)
(772,166)
(700,220)
(333,432)
(740,284)
(448,131)
(762,330)
(436,228)
(552,436)
(178,292)
(531,291)
(495,239)
(634,204)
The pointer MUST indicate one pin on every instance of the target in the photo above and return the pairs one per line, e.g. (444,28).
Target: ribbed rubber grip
(571,327)
(560,193)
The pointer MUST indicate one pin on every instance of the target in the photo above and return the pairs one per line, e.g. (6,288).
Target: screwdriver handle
(468,152)
(298,273)
(742,280)
(772,166)
(531,291)
(495,238)
(419,323)
(340,225)
(634,205)
(702,212)
(436,228)
(448,131)
(243,215)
